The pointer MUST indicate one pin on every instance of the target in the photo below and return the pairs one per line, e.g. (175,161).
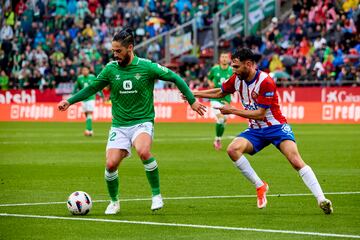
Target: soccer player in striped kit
(266,125)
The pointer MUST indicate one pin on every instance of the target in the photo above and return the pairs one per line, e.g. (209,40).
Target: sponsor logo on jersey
(127,86)
(117,77)
(250,106)
(269,94)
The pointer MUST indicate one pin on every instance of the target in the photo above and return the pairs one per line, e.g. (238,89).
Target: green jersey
(218,75)
(132,90)
(82,82)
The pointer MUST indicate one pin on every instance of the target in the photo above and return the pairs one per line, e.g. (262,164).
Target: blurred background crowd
(45,42)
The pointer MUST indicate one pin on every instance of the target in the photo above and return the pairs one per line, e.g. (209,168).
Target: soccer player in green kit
(131,81)
(217,75)
(83,81)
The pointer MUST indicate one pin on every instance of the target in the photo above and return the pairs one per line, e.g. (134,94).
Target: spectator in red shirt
(20,8)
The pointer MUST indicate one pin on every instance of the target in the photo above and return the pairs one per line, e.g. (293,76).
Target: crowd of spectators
(45,42)
(319,41)
(318,44)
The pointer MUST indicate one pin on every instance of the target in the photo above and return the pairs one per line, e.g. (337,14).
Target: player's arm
(210,93)
(257,114)
(163,73)
(98,84)
(267,92)
(226,88)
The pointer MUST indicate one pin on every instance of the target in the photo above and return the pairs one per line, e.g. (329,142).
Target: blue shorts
(262,137)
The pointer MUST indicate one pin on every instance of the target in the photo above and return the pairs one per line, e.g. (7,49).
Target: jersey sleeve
(267,92)
(229,85)
(98,84)
(163,73)
(211,74)
(76,86)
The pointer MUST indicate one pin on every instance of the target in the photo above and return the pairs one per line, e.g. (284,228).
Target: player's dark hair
(223,52)
(243,54)
(125,37)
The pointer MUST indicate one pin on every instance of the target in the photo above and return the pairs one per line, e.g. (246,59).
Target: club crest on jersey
(137,76)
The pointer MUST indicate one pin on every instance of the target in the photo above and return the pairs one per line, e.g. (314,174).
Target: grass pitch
(205,196)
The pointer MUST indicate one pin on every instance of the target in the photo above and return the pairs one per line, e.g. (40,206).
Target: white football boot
(113,208)
(157,202)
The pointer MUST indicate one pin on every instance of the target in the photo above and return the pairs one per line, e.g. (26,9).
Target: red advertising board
(300,112)
(299,105)
(29,96)
(286,95)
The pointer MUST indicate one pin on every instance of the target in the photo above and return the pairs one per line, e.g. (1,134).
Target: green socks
(89,123)
(220,128)
(112,182)
(152,174)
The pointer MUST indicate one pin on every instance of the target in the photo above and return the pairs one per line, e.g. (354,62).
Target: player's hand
(226,109)
(199,108)
(63,105)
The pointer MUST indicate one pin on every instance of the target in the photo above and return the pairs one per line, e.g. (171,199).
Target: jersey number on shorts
(112,136)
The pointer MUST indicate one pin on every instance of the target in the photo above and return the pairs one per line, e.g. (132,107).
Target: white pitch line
(185,198)
(92,141)
(184,225)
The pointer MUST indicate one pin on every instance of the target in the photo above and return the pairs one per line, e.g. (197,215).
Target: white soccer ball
(79,203)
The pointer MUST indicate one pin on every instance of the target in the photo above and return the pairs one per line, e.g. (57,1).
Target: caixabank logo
(340,95)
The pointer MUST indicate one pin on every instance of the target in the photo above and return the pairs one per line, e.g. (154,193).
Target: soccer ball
(79,203)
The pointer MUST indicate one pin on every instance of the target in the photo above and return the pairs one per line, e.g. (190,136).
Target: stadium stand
(43,43)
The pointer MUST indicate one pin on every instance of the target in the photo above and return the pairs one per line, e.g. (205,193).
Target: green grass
(45,162)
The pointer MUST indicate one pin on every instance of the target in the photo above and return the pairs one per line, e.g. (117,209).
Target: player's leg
(88,129)
(118,147)
(290,150)
(235,150)
(220,124)
(113,158)
(142,141)
(88,109)
(220,128)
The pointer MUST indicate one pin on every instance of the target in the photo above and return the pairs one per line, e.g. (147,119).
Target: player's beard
(125,61)
(244,75)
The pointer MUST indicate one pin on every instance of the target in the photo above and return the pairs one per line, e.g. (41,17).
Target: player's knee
(111,166)
(233,152)
(296,161)
(144,154)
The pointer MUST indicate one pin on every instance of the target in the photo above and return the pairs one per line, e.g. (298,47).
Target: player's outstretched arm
(210,93)
(257,114)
